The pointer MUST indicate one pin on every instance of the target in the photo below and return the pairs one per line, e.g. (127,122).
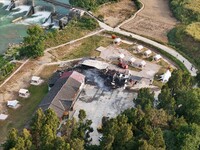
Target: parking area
(111,53)
(99,103)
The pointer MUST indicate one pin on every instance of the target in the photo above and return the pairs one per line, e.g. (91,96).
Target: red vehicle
(123,65)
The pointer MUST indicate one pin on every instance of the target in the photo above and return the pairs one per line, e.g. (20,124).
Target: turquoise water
(14,33)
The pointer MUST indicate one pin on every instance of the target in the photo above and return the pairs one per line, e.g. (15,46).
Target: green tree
(33,43)
(166,101)
(47,137)
(145,98)
(77,144)
(189,105)
(27,139)
(107,142)
(188,137)
(82,114)
(36,127)
(52,120)
(60,144)
(198,79)
(11,139)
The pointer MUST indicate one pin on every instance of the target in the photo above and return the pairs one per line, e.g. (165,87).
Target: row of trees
(170,123)
(42,133)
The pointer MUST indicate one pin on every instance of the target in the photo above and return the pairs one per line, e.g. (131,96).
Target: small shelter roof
(12,103)
(24,91)
(117,40)
(147,52)
(95,63)
(3,116)
(156,57)
(139,47)
(143,63)
(132,59)
(121,55)
(35,78)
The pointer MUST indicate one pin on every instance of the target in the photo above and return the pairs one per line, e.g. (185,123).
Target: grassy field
(74,30)
(185,44)
(88,46)
(18,118)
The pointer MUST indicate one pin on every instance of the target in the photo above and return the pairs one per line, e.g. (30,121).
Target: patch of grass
(18,118)
(158,83)
(185,45)
(47,71)
(88,47)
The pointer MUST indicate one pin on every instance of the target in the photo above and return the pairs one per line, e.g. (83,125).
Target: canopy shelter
(3,116)
(165,77)
(12,103)
(139,63)
(157,57)
(117,41)
(147,53)
(139,48)
(35,80)
(132,60)
(121,55)
(24,93)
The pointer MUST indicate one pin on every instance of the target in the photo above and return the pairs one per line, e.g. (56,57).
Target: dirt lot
(102,103)
(154,21)
(116,13)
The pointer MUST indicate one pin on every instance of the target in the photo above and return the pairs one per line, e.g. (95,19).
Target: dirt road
(154,21)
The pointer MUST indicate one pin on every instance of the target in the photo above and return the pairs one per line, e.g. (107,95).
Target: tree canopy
(33,43)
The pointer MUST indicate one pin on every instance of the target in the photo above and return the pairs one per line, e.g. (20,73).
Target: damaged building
(64,90)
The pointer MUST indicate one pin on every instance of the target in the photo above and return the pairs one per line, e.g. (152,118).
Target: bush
(138,4)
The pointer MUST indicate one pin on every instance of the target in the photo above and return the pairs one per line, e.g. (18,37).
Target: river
(14,32)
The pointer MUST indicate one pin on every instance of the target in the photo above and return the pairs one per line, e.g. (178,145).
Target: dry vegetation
(154,21)
(193,30)
(115,13)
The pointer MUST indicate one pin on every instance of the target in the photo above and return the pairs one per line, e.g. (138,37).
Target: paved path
(169,50)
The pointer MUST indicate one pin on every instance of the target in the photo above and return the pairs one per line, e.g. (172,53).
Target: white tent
(3,116)
(24,93)
(147,53)
(35,80)
(139,63)
(132,59)
(139,48)
(121,55)
(12,103)
(157,57)
(142,64)
(165,77)
(117,40)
